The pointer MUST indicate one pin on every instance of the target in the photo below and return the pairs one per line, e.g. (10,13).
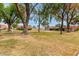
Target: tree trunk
(39,25)
(25,31)
(61,28)
(47,27)
(26,19)
(9,28)
(68,24)
(68,27)
(27,16)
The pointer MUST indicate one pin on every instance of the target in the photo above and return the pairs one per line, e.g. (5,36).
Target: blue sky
(52,23)
(32,23)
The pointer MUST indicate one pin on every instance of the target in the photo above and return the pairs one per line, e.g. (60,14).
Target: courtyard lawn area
(39,44)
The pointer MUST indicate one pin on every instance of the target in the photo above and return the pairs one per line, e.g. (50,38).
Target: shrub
(54,29)
(20,28)
(23,28)
(14,25)
(29,28)
(77,29)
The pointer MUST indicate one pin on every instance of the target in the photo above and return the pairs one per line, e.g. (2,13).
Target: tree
(62,18)
(71,13)
(8,14)
(21,15)
(60,14)
(57,11)
(38,13)
(43,15)
(27,11)
(23,12)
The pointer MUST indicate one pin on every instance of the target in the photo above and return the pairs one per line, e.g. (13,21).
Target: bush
(29,28)
(14,25)
(23,28)
(54,29)
(50,28)
(20,28)
(77,29)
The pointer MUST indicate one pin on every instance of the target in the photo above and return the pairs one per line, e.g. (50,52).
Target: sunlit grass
(67,37)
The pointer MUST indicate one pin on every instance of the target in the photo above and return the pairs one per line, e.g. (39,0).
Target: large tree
(71,14)
(59,14)
(37,12)
(23,12)
(8,14)
(55,10)
(43,15)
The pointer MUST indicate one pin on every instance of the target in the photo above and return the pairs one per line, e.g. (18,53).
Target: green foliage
(1,8)
(8,14)
(1,5)
(23,28)
(16,22)
(14,25)
(20,29)
(29,28)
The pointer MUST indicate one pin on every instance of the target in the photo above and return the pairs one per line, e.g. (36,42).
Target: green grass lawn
(39,44)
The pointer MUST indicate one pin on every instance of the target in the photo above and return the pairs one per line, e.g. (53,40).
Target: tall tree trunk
(39,25)
(27,15)
(61,28)
(48,26)
(68,24)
